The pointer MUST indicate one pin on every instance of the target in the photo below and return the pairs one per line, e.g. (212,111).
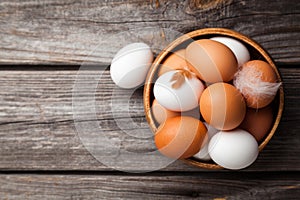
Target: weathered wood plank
(37,129)
(159,186)
(70,32)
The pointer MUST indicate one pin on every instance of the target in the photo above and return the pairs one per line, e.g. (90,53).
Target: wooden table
(44,43)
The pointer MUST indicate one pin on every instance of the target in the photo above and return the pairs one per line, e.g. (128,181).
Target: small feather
(178,78)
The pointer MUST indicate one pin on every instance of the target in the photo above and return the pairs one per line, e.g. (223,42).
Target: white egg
(239,49)
(182,98)
(234,149)
(203,154)
(130,65)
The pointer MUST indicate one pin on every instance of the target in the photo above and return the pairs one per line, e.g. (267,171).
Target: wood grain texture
(73,31)
(42,153)
(37,129)
(157,186)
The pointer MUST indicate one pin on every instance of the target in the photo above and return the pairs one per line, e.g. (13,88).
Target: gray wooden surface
(155,186)
(38,131)
(54,31)
(43,44)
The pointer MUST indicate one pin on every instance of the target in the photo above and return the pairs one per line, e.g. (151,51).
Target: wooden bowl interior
(256,52)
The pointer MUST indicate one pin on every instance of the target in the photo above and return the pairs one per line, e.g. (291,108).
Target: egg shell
(203,154)
(180,137)
(258,122)
(222,106)
(130,65)
(212,61)
(195,113)
(183,98)
(160,113)
(257,81)
(174,61)
(234,149)
(238,48)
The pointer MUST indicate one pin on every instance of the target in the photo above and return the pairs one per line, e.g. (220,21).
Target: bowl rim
(203,32)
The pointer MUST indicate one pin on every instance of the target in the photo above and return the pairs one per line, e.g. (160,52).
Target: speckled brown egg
(257,81)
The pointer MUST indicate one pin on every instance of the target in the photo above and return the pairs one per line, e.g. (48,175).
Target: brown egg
(257,81)
(222,106)
(212,61)
(160,113)
(173,62)
(258,122)
(180,137)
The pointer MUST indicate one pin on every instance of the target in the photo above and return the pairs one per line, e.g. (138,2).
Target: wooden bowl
(256,52)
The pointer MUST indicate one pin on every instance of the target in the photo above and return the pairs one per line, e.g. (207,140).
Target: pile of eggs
(211,101)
